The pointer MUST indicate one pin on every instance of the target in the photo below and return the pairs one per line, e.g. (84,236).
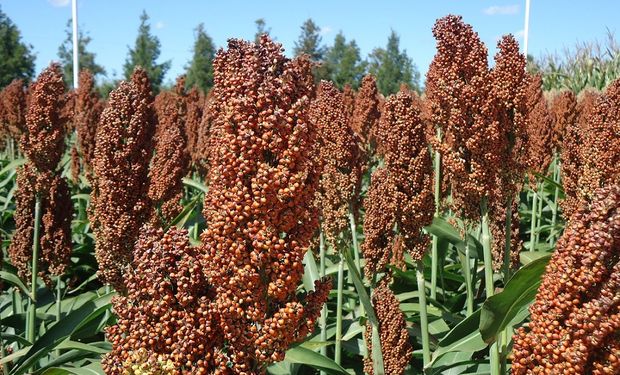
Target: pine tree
(86,59)
(200,69)
(16,57)
(343,63)
(393,67)
(309,41)
(261,28)
(145,54)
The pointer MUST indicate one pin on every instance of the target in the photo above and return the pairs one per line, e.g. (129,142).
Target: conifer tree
(200,69)
(145,54)
(393,67)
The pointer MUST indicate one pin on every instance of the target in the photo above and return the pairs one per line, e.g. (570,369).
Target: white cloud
(160,25)
(59,3)
(325,30)
(520,34)
(503,10)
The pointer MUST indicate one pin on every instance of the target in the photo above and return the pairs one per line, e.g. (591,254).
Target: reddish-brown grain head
(123,150)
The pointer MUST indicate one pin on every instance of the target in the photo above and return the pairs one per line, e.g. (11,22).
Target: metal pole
(76,66)
(526,28)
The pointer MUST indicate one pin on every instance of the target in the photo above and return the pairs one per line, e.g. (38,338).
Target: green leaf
(14,280)
(195,184)
(101,349)
(60,331)
(305,356)
(444,231)
(499,310)
(311,271)
(464,337)
(12,165)
(13,356)
(527,257)
(377,357)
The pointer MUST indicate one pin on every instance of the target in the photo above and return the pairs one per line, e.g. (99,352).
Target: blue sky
(113,24)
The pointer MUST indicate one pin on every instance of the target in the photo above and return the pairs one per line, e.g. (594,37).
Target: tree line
(340,62)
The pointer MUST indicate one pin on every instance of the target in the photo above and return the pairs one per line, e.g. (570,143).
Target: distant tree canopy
(200,68)
(16,57)
(86,59)
(393,67)
(343,63)
(261,28)
(309,41)
(145,54)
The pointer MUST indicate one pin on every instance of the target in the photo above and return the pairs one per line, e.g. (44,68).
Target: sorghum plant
(119,201)
(38,180)
(366,113)
(171,160)
(88,108)
(195,103)
(13,109)
(601,143)
(258,210)
(572,159)
(540,129)
(575,320)
(340,160)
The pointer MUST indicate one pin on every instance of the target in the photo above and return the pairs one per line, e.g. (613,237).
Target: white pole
(526,29)
(76,66)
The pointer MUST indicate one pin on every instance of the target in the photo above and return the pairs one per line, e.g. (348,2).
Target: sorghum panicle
(38,177)
(195,102)
(13,109)
(600,149)
(457,88)
(507,98)
(56,210)
(395,345)
(171,160)
(167,316)
(366,112)
(123,150)
(258,210)
(572,160)
(44,144)
(349,101)
(88,108)
(339,158)
(563,111)
(540,129)
(575,319)
(400,192)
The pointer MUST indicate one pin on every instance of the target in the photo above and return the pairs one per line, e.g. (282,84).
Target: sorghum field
(280,225)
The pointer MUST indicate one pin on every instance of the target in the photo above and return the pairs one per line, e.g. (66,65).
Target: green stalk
(507,233)
(488,275)
(533,221)
(338,345)
(32,309)
(58,298)
(426,350)
(356,255)
(323,319)
(554,217)
(541,189)
(468,280)
(435,239)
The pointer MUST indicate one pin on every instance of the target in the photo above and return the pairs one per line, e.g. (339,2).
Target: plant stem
(508,237)
(435,239)
(58,298)
(533,221)
(426,350)
(541,189)
(488,274)
(356,255)
(554,218)
(468,280)
(32,309)
(323,319)
(338,345)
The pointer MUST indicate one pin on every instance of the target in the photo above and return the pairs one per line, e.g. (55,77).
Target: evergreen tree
(393,67)
(16,57)
(145,54)
(343,63)
(200,69)
(261,28)
(86,59)
(309,41)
